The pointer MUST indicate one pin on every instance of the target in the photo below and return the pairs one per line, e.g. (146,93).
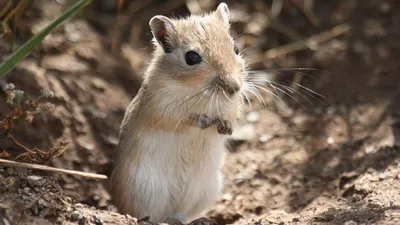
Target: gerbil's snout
(231,87)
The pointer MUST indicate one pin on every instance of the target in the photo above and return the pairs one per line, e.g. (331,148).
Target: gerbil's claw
(203,221)
(224,127)
(202,121)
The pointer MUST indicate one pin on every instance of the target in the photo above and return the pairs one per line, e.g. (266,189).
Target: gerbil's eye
(192,58)
(236,49)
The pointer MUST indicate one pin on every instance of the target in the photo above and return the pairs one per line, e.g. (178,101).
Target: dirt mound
(296,161)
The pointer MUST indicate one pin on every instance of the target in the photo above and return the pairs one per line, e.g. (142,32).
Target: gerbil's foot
(176,219)
(173,221)
(146,221)
(224,127)
(203,221)
(202,121)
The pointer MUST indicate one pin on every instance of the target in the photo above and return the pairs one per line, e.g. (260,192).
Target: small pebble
(82,221)
(330,140)
(264,138)
(34,180)
(227,197)
(97,220)
(10,171)
(245,132)
(76,215)
(27,190)
(350,222)
(35,209)
(253,117)
(370,150)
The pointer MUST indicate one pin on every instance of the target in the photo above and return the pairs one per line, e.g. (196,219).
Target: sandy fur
(164,164)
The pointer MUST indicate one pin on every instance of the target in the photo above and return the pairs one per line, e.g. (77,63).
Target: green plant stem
(28,46)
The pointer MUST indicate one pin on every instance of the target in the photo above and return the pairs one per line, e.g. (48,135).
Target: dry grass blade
(52,169)
(314,40)
(306,8)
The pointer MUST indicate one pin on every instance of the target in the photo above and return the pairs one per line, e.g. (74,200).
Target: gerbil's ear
(164,32)
(222,13)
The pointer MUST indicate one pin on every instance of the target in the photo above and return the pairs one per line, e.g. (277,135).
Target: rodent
(172,137)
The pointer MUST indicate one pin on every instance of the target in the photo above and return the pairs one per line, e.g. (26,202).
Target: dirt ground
(303,159)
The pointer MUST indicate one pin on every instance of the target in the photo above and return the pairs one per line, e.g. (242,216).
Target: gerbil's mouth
(230,87)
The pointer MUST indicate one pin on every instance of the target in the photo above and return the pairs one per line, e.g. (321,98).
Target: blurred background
(321,149)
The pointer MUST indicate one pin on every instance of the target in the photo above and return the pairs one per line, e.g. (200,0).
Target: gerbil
(172,137)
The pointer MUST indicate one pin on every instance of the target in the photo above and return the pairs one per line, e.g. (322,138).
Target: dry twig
(306,9)
(36,155)
(314,40)
(25,112)
(52,169)
(277,25)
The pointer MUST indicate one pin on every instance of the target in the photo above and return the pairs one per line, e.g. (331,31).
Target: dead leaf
(4,154)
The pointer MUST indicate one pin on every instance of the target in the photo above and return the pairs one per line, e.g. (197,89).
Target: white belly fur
(179,173)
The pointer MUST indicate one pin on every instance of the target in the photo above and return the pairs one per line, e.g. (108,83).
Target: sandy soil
(301,160)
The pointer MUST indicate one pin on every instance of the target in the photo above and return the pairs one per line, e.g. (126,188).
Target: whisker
(284,85)
(247,98)
(193,96)
(268,91)
(297,70)
(217,106)
(307,90)
(291,96)
(256,93)
(223,92)
(292,90)
(212,98)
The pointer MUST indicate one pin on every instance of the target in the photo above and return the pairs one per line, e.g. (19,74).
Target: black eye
(192,58)
(236,49)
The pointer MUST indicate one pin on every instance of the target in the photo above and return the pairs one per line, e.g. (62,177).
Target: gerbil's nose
(229,86)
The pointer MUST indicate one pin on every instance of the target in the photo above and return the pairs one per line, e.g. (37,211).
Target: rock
(34,180)
(370,149)
(245,132)
(265,137)
(76,215)
(330,140)
(83,221)
(350,222)
(253,117)
(227,197)
(97,220)
(296,219)
(27,190)
(10,171)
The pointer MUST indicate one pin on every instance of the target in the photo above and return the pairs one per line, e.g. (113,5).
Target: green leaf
(27,47)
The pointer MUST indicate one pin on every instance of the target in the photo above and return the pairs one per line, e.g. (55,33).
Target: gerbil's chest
(193,148)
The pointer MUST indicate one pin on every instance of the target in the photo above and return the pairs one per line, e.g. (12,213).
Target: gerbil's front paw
(203,221)
(202,121)
(224,127)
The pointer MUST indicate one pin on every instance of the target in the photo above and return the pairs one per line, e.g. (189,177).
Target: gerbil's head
(197,53)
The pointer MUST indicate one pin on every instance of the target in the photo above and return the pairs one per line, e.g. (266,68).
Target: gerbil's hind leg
(224,127)
(202,121)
